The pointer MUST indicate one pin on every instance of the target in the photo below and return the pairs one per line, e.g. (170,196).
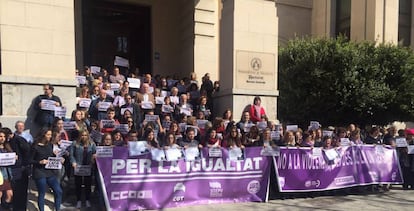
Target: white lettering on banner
(141,166)
(7,159)
(131,166)
(120,195)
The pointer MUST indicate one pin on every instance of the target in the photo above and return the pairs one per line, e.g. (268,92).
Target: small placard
(215,152)
(137,147)
(235,153)
(7,159)
(401,142)
(151,118)
(127,109)
(95,69)
(173,154)
(83,170)
(159,100)
(345,142)
(80,79)
(54,163)
(147,105)
(167,109)
(175,99)
(64,144)
(104,151)
(69,125)
(293,128)
(317,152)
(103,106)
(157,154)
(85,102)
(48,105)
(60,112)
(270,151)
(122,128)
(192,153)
(134,82)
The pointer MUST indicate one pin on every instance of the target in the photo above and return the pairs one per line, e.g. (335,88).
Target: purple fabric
(298,170)
(149,184)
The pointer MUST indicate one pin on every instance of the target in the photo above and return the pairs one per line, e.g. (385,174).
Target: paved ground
(396,199)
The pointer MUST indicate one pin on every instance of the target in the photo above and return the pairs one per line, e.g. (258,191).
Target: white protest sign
(137,147)
(115,86)
(54,163)
(235,153)
(151,118)
(134,82)
(317,152)
(107,123)
(219,136)
(123,128)
(167,109)
(164,93)
(192,153)
(275,134)
(119,61)
(331,154)
(147,105)
(201,123)
(314,125)
(379,149)
(410,149)
(327,133)
(80,79)
(48,105)
(262,125)
(293,128)
(69,125)
(345,142)
(159,100)
(175,99)
(215,152)
(270,151)
(110,92)
(64,144)
(104,151)
(173,154)
(401,142)
(85,102)
(182,126)
(96,135)
(60,111)
(246,127)
(103,106)
(83,170)
(157,154)
(95,69)
(7,159)
(186,111)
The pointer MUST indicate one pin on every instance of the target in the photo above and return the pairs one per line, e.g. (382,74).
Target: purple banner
(139,182)
(301,169)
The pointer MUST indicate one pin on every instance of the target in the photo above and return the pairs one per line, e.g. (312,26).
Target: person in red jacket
(256,110)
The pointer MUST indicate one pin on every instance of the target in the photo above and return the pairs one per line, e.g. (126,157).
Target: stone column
(248,56)
(375,20)
(37,46)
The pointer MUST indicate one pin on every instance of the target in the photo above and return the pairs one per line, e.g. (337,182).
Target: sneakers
(78,204)
(88,204)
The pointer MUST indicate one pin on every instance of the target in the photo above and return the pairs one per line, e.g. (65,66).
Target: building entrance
(116,29)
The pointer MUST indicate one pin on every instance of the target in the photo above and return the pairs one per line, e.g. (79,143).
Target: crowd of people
(115,110)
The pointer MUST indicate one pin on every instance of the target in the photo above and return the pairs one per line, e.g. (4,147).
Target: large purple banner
(139,182)
(306,169)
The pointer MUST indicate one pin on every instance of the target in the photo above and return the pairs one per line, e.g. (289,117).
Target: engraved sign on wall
(255,70)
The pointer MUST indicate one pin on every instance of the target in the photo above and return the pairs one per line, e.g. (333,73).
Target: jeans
(53,183)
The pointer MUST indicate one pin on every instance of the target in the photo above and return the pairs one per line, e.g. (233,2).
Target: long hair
(79,139)
(40,138)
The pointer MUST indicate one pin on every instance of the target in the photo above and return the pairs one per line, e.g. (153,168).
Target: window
(404,23)
(343,18)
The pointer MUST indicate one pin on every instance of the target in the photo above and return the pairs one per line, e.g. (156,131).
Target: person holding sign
(98,108)
(145,99)
(232,139)
(82,156)
(212,140)
(44,105)
(5,172)
(256,110)
(42,149)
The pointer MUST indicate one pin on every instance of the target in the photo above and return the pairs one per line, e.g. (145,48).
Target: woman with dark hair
(256,110)
(42,149)
(5,171)
(151,139)
(232,139)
